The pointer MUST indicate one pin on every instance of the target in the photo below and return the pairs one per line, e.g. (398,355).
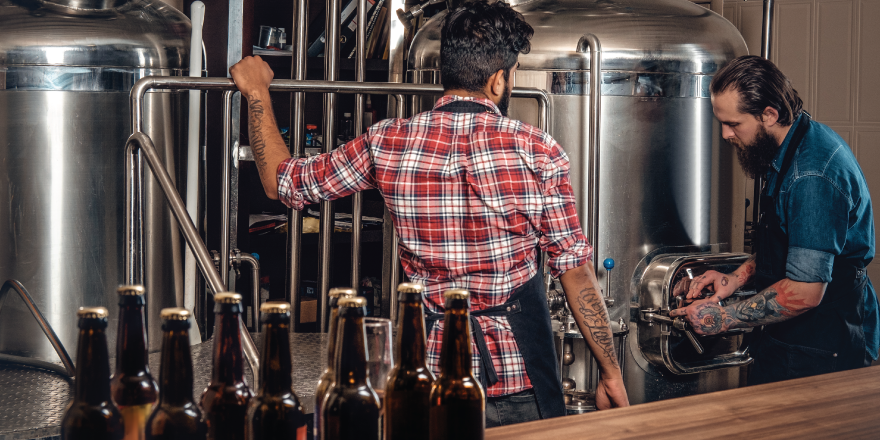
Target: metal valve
(608,264)
(650,316)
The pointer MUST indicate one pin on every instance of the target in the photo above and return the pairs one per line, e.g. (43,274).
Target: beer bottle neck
(228,355)
(92,367)
(411,335)
(131,341)
(455,353)
(275,363)
(351,363)
(176,373)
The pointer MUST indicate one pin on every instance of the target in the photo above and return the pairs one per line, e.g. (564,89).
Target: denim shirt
(825,210)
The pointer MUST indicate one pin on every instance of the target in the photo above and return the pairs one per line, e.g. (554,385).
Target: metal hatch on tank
(662,169)
(66,69)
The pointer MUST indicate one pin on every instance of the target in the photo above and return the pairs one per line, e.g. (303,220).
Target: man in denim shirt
(815,235)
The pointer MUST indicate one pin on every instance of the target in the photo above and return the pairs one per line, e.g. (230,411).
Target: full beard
(756,157)
(504,103)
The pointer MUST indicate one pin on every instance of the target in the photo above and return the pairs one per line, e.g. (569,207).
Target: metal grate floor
(32,400)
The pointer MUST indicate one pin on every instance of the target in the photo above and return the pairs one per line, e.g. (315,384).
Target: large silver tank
(665,173)
(66,69)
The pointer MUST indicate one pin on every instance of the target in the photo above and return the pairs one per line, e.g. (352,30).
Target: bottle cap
(275,307)
(131,290)
(410,288)
(175,314)
(342,292)
(346,115)
(92,312)
(227,298)
(357,301)
(456,294)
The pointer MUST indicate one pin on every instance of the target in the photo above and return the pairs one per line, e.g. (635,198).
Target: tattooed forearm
(745,272)
(592,307)
(255,129)
(711,319)
(761,309)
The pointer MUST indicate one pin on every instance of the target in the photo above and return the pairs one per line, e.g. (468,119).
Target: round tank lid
(145,34)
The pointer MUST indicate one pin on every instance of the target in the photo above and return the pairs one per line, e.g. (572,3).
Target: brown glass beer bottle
(176,416)
(458,404)
(133,389)
(275,412)
(408,391)
(351,407)
(92,415)
(326,379)
(225,401)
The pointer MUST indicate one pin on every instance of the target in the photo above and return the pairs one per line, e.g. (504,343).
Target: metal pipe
(357,199)
(25,296)
(287,85)
(591,42)
(395,240)
(245,257)
(325,237)
(766,36)
(226,187)
(767,29)
(140,142)
(297,149)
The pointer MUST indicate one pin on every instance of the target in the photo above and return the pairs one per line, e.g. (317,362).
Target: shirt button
(835,355)
(508,309)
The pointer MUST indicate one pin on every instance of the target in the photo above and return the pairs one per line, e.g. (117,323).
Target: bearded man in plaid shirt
(474,197)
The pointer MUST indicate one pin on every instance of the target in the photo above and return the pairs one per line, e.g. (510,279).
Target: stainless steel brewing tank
(665,173)
(65,77)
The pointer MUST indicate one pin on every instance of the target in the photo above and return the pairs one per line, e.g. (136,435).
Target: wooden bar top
(836,405)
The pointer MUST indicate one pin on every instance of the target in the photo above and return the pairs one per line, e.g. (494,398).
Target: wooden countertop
(836,405)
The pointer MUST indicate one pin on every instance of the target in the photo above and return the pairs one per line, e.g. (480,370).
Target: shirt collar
(452,98)
(780,155)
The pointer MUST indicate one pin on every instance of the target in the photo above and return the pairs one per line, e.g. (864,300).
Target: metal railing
(224,84)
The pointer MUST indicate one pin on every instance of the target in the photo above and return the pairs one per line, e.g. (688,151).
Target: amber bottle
(176,416)
(224,403)
(458,404)
(351,407)
(326,380)
(408,391)
(92,415)
(133,389)
(275,412)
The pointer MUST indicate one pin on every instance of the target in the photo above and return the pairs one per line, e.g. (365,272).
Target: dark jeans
(512,408)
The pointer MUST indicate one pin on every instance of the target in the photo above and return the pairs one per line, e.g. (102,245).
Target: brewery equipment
(629,89)
(66,69)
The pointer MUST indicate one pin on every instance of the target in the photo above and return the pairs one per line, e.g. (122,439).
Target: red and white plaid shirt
(470,194)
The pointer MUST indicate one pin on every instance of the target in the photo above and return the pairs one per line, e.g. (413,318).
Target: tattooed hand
(711,282)
(706,317)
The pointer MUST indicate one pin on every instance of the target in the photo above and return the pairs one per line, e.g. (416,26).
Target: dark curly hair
(479,39)
(760,84)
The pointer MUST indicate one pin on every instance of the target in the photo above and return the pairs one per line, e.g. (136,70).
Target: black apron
(825,339)
(529,317)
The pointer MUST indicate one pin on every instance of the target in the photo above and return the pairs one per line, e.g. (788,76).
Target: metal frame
(591,42)
(132,258)
(25,296)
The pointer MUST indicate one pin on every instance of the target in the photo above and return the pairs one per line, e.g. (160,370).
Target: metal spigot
(608,264)
(650,316)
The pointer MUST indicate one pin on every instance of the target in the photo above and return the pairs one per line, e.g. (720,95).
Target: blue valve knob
(608,263)
(257,257)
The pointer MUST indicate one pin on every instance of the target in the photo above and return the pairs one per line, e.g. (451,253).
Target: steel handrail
(141,143)
(591,42)
(145,84)
(25,296)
